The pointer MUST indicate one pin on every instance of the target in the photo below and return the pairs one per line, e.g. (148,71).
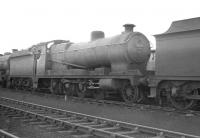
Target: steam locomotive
(123,64)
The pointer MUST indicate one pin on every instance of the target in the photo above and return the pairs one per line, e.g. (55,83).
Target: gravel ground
(175,122)
(24,130)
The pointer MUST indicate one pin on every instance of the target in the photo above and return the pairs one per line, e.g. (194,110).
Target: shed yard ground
(158,119)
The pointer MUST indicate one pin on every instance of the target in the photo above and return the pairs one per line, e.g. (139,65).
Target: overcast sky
(27,22)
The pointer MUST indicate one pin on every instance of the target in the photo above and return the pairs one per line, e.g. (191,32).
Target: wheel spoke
(130,94)
(181,102)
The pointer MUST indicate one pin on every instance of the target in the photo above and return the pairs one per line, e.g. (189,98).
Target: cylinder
(110,84)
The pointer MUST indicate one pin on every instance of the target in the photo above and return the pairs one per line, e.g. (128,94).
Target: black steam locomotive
(123,64)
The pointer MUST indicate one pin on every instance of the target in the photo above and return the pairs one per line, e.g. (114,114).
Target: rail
(5,134)
(92,125)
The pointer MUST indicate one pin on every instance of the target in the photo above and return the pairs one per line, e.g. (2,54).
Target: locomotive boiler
(121,52)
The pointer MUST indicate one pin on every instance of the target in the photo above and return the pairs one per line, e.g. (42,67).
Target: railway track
(5,134)
(80,125)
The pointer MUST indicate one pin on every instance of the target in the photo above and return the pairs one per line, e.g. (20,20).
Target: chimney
(14,50)
(97,35)
(128,28)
